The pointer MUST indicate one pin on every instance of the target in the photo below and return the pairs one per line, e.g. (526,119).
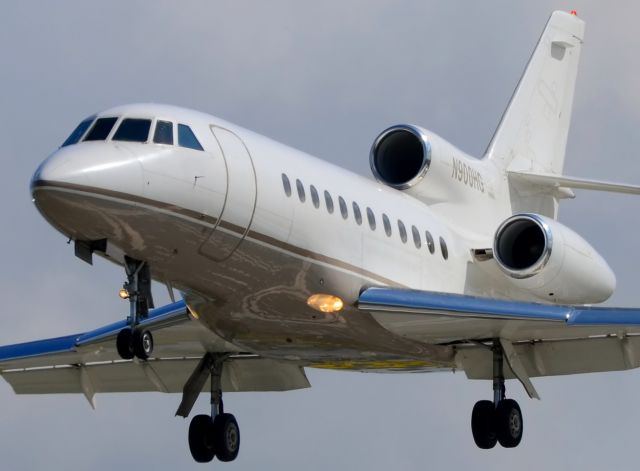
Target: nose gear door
(240,202)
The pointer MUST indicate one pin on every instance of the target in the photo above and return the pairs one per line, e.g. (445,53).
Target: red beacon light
(574,12)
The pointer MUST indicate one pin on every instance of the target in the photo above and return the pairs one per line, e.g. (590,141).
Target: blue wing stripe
(417,301)
(38,347)
(426,302)
(157,317)
(604,316)
(160,317)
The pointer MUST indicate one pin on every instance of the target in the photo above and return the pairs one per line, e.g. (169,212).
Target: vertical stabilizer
(532,134)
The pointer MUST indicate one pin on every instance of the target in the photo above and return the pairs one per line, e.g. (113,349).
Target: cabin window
(416,237)
(371,218)
(430,244)
(101,129)
(343,207)
(314,196)
(286,184)
(402,231)
(300,188)
(78,132)
(357,214)
(163,133)
(133,130)
(186,138)
(443,248)
(387,224)
(329,201)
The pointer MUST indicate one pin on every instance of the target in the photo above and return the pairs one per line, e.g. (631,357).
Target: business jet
(285,262)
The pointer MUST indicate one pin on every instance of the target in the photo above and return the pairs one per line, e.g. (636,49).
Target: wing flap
(162,375)
(559,357)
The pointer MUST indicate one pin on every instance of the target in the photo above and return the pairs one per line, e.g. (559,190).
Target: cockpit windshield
(101,129)
(186,138)
(133,130)
(78,132)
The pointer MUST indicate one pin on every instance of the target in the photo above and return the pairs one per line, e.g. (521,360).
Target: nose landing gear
(499,421)
(133,341)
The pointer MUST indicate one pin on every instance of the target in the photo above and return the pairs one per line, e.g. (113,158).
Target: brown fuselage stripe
(200,218)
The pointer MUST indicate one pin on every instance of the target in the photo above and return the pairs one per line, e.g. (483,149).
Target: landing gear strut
(217,435)
(133,341)
(499,421)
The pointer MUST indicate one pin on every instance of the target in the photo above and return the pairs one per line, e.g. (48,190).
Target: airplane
(285,262)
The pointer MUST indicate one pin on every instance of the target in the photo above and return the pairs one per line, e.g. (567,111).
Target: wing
(89,363)
(539,339)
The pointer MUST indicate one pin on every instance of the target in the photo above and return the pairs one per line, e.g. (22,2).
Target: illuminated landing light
(123,293)
(325,302)
(574,12)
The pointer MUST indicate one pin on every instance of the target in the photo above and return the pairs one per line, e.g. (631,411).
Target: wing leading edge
(455,305)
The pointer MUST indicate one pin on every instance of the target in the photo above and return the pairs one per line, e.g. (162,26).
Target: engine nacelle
(423,164)
(552,261)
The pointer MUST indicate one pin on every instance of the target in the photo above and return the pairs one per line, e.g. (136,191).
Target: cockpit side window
(78,132)
(101,129)
(163,133)
(186,138)
(133,130)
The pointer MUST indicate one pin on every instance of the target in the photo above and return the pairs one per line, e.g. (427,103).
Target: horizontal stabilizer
(561,181)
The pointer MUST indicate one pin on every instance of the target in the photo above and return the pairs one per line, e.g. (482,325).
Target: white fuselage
(247,248)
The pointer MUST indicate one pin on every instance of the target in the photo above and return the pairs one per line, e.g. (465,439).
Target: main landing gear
(499,421)
(133,341)
(217,435)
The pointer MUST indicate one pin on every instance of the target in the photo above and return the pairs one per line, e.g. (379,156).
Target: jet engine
(426,166)
(551,261)
(400,156)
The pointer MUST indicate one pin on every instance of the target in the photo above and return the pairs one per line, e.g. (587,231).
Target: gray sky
(325,77)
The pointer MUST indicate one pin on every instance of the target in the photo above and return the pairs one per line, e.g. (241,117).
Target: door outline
(201,251)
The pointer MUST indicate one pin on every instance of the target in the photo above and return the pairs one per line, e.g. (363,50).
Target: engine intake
(400,156)
(523,245)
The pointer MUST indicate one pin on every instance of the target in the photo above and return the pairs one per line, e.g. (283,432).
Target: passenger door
(240,201)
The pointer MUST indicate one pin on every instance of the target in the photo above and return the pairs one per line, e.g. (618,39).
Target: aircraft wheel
(202,439)
(124,344)
(509,423)
(227,437)
(142,344)
(483,424)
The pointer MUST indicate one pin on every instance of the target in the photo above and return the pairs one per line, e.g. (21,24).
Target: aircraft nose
(51,171)
(90,167)
(73,186)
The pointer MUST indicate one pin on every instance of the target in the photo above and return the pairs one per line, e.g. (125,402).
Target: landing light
(123,293)
(325,302)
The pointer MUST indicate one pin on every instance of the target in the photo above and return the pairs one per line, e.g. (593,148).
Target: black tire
(142,344)
(509,425)
(124,344)
(201,439)
(227,437)
(483,425)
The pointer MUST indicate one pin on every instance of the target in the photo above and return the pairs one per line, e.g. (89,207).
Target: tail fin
(532,134)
